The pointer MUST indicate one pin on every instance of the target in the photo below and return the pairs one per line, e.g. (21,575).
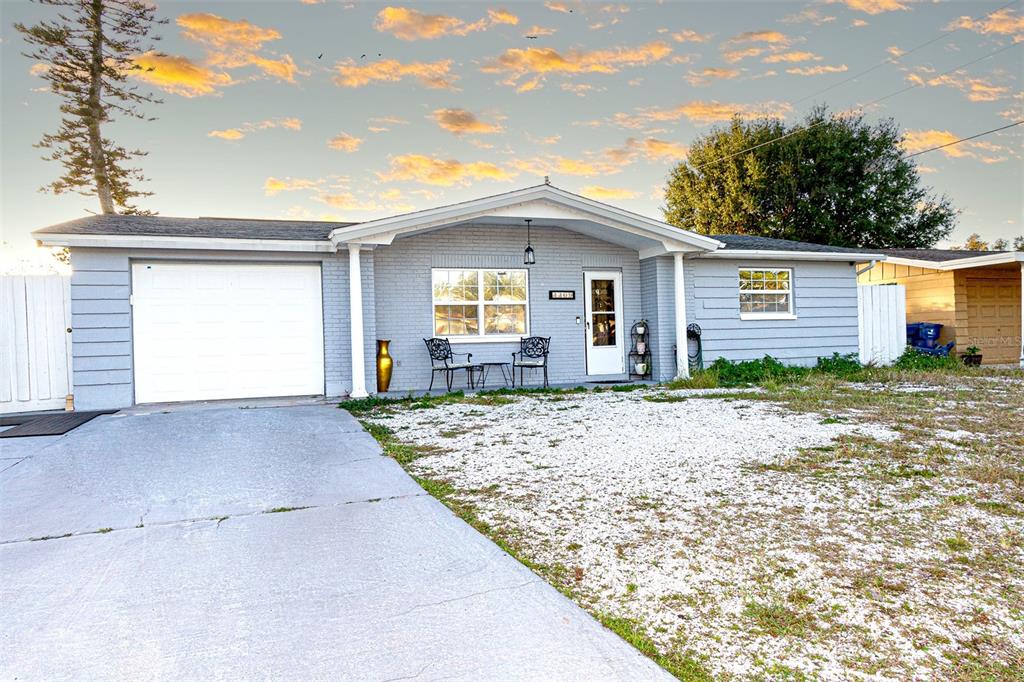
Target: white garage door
(213,331)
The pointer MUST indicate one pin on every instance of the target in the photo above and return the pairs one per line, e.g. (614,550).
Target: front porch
(462,277)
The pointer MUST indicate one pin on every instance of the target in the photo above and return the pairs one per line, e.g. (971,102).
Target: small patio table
(505,367)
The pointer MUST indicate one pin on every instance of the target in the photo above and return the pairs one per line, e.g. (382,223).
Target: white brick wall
(404,311)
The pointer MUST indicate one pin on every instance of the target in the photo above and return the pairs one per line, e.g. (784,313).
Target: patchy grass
(778,619)
(904,510)
(282,510)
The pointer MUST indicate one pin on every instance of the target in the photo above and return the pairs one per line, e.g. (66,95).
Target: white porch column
(355,302)
(682,354)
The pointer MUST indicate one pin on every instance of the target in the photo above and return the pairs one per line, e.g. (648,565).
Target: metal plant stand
(640,366)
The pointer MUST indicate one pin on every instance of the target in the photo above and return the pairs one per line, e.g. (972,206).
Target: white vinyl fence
(882,312)
(35,342)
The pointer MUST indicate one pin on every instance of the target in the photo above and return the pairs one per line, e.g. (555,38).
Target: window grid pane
(765,291)
(462,297)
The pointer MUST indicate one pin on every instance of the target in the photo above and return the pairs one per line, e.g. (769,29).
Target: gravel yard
(830,531)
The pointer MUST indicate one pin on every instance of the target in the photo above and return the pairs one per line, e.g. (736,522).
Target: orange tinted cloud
(561,165)
(705,76)
(435,75)
(558,7)
(460,121)
(410,24)
(795,56)
(539,31)
(874,6)
(234,44)
(1005,22)
(976,89)
(274,185)
(606,193)
(920,140)
(344,142)
(246,128)
(518,63)
(442,172)
(816,70)
(179,75)
(765,36)
(687,36)
(700,112)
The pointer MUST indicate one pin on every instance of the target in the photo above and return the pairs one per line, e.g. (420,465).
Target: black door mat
(23,417)
(52,424)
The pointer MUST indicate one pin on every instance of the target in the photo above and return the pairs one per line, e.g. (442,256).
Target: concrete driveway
(262,543)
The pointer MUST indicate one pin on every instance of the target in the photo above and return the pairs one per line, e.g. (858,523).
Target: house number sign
(562,295)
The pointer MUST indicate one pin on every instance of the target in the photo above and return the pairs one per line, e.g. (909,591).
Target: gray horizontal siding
(825,304)
(102,321)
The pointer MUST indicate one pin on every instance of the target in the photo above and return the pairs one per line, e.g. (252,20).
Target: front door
(603,307)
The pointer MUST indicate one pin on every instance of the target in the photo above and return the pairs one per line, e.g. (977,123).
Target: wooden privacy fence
(882,315)
(35,342)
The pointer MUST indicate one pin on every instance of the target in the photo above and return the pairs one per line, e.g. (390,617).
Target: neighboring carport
(262,542)
(975,295)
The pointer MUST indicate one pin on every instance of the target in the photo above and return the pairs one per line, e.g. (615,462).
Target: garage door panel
(212,331)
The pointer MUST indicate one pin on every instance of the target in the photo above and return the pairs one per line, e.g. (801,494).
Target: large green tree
(830,179)
(87,54)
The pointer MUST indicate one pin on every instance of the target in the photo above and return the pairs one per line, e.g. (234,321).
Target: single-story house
(174,309)
(975,295)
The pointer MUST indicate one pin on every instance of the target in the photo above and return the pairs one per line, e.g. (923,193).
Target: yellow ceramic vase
(384,365)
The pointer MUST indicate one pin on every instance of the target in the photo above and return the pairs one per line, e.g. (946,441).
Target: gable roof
(216,228)
(527,200)
(950,259)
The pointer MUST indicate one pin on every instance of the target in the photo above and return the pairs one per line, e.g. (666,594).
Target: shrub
(913,360)
(845,366)
(767,369)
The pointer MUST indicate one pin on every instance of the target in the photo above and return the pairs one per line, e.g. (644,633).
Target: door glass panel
(602,331)
(602,295)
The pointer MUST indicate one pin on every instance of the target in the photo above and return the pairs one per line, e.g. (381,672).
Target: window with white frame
(766,293)
(480,302)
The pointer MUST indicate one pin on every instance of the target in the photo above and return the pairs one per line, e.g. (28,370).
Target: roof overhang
(190,243)
(546,206)
(961,263)
(756,254)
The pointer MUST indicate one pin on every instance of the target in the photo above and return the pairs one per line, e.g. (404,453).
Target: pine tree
(87,55)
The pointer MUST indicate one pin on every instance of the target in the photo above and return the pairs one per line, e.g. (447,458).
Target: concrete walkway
(361,575)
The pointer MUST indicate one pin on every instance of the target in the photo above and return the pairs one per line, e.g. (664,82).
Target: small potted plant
(972,356)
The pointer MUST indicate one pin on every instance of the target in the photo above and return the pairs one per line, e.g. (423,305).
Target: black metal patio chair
(442,359)
(532,354)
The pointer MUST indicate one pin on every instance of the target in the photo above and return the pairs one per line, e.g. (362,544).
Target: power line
(871,103)
(893,60)
(964,139)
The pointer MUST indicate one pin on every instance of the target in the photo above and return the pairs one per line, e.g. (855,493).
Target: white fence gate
(882,314)
(35,343)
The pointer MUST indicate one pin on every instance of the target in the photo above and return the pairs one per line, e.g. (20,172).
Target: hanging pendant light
(528,257)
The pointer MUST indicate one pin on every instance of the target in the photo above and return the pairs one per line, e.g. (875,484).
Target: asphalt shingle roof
(937,255)
(735,242)
(222,228)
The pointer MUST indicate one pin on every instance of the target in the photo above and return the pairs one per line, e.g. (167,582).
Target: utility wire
(893,60)
(964,139)
(871,103)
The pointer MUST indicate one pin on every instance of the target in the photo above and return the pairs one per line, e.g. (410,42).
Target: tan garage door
(993,317)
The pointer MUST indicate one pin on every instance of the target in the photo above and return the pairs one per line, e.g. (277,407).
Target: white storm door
(603,307)
(209,331)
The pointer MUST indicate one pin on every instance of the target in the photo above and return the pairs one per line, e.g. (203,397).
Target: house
(172,309)
(975,295)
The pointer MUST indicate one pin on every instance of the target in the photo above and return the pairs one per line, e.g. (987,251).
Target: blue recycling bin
(930,331)
(913,333)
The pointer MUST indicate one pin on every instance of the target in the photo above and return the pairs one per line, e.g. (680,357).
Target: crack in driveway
(218,518)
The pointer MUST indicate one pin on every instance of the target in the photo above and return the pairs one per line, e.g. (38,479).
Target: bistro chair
(442,359)
(532,354)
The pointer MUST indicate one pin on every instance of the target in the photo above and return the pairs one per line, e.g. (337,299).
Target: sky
(339,110)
